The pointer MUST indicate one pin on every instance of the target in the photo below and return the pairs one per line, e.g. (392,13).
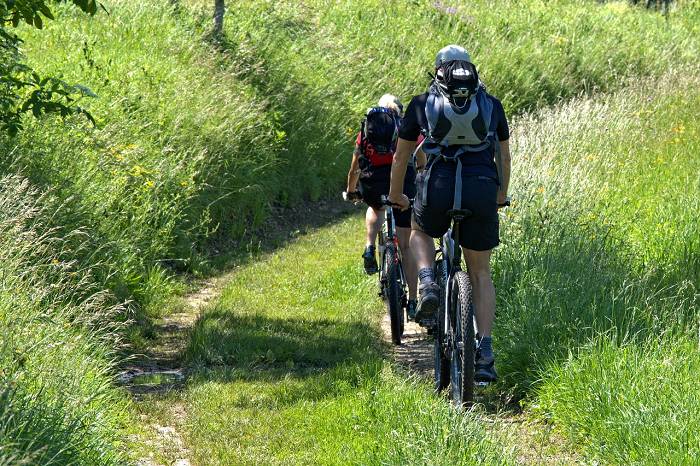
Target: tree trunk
(219,9)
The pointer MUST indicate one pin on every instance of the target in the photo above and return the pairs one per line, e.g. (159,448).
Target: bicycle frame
(388,234)
(452,255)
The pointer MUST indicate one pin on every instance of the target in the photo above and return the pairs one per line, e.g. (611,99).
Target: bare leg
(484,293)
(409,263)
(423,247)
(373,221)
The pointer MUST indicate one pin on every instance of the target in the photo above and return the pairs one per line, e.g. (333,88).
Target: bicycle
(392,280)
(455,335)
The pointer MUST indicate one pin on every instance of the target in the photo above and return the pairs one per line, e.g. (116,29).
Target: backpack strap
(457,202)
(363,135)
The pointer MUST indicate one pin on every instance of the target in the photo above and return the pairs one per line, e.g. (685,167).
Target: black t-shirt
(475,163)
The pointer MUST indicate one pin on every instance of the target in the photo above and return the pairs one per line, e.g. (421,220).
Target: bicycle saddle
(459,213)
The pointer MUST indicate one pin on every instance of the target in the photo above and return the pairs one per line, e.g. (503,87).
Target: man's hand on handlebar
(502,200)
(402,201)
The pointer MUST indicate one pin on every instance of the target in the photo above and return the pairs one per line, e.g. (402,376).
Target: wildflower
(149,184)
(540,190)
(138,170)
(184,184)
(559,40)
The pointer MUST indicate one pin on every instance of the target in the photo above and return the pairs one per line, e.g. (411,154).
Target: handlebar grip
(506,203)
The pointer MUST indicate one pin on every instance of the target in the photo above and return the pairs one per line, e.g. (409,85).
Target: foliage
(57,342)
(22,90)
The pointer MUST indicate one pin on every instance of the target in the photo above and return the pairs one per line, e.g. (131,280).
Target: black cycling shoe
(411,309)
(484,368)
(370,261)
(428,303)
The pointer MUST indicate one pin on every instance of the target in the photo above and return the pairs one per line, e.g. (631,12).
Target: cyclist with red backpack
(370,172)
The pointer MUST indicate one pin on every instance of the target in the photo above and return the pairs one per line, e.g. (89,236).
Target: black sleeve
(411,122)
(502,126)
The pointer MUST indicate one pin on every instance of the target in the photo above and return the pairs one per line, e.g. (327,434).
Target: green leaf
(46,11)
(38,23)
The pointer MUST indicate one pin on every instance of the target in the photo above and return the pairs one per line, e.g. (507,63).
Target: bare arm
(354,173)
(404,149)
(503,165)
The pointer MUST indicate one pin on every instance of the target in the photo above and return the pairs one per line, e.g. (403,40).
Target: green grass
(629,403)
(289,369)
(196,143)
(597,320)
(598,276)
(57,340)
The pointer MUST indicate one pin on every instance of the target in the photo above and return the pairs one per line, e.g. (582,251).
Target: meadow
(197,140)
(597,316)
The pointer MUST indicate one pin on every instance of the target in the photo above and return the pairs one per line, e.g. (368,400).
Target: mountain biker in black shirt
(481,146)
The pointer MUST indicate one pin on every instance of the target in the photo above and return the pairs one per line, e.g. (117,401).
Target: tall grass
(181,142)
(196,140)
(57,401)
(598,275)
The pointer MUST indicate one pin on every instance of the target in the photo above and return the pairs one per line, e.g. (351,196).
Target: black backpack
(379,132)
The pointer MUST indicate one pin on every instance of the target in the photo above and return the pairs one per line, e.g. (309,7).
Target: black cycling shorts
(479,194)
(374,185)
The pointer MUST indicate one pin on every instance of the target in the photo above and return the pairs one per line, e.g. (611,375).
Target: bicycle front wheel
(462,361)
(441,360)
(393,289)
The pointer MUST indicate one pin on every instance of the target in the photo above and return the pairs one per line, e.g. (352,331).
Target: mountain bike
(455,328)
(392,281)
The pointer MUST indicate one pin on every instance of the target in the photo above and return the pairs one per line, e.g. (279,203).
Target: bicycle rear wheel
(394,296)
(441,361)
(462,361)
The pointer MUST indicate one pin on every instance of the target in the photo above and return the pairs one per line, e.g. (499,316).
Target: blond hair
(391,102)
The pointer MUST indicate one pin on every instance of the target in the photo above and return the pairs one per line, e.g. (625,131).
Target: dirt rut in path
(416,350)
(161,370)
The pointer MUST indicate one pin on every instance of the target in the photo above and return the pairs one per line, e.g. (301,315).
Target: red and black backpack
(378,135)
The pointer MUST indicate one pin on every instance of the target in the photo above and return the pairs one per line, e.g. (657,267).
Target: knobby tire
(394,298)
(462,363)
(441,362)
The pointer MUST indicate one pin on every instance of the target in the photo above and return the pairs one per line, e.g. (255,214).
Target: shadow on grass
(286,359)
(262,343)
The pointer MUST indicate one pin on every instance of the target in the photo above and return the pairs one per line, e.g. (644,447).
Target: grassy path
(596,334)
(290,365)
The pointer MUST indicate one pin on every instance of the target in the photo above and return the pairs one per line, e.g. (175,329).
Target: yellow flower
(184,184)
(540,189)
(149,184)
(679,129)
(138,170)
(559,40)
(54,261)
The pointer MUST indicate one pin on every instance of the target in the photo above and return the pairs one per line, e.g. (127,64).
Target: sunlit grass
(288,369)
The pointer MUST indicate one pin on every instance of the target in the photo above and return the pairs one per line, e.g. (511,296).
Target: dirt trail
(533,442)
(161,370)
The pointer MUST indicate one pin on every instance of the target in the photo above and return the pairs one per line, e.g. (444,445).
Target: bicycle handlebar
(387,202)
(352,196)
(505,204)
